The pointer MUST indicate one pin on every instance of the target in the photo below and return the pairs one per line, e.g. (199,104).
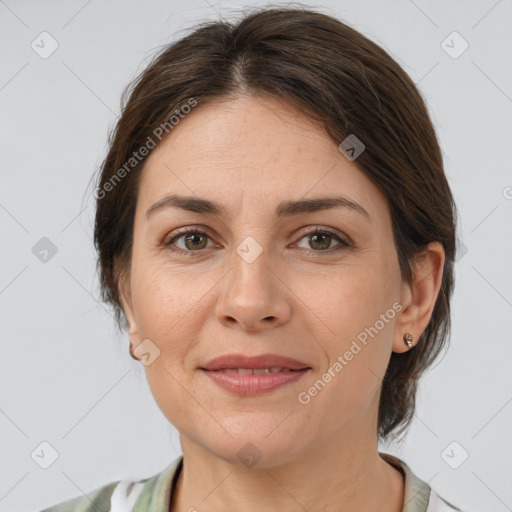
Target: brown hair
(336,76)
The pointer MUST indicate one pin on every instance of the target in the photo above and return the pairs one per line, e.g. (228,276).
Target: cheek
(346,299)
(168,311)
(358,309)
(161,296)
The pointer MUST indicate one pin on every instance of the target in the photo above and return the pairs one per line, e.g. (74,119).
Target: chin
(255,448)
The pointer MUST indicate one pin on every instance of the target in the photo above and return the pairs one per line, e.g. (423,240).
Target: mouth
(263,364)
(255,371)
(250,382)
(245,376)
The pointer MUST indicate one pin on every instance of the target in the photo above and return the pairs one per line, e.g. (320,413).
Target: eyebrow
(284,209)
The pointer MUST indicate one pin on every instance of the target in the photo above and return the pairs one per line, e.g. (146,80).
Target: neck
(348,476)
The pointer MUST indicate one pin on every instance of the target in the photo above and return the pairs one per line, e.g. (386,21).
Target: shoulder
(118,496)
(438,504)
(122,495)
(98,499)
(418,495)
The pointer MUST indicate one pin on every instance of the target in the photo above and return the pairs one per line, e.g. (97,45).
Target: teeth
(275,369)
(255,371)
(260,371)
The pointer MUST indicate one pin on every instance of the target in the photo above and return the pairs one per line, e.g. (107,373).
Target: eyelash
(344,244)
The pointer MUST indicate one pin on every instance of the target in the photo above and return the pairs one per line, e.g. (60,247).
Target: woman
(276,232)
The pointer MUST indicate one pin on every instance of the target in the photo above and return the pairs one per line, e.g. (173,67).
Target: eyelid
(325,229)
(203,230)
(185,229)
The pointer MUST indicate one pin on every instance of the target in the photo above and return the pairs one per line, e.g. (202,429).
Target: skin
(249,154)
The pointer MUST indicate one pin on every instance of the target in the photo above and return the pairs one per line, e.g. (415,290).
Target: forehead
(256,147)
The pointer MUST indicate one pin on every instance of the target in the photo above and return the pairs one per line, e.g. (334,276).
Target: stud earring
(131,351)
(408,339)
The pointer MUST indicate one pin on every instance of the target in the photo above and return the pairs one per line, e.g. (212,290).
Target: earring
(131,351)
(408,339)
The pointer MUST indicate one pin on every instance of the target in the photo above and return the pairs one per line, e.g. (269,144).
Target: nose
(254,295)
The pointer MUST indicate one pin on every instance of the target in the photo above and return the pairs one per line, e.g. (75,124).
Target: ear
(419,298)
(125,295)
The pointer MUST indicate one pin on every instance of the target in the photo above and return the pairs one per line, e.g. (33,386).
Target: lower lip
(251,385)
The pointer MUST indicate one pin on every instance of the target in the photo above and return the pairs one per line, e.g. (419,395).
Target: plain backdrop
(68,388)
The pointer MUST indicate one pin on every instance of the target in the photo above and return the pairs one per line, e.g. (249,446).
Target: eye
(193,239)
(320,239)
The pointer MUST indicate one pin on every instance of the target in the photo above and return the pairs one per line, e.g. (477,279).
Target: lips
(245,365)
(253,371)
(246,376)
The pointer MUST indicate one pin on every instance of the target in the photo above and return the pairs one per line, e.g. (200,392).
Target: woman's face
(256,280)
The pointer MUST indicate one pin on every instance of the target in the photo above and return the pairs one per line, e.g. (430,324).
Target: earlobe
(419,297)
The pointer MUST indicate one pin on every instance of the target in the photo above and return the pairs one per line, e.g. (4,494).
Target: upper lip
(263,361)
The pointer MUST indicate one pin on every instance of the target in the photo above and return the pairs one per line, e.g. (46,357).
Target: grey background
(66,376)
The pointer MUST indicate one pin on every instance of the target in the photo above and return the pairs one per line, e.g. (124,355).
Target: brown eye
(320,240)
(193,241)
